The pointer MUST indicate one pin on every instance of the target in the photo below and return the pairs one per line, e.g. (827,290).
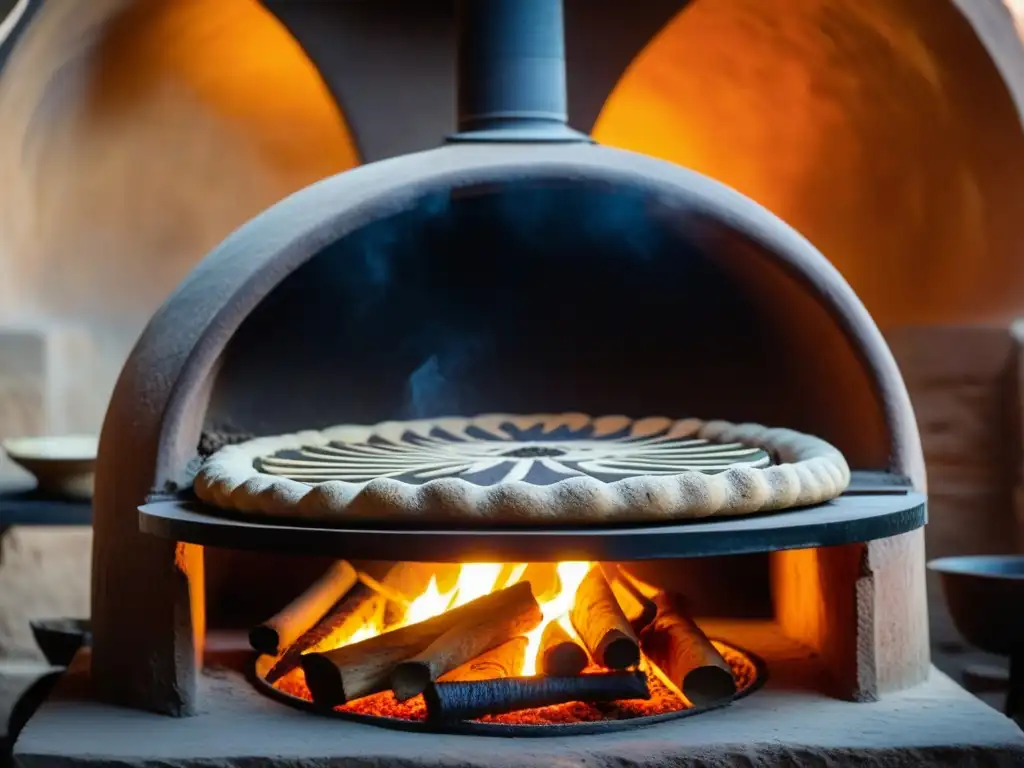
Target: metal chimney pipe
(511,72)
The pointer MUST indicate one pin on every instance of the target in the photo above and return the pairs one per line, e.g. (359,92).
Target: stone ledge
(935,724)
(15,679)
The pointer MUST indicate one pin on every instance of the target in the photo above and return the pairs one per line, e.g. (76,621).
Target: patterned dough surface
(504,469)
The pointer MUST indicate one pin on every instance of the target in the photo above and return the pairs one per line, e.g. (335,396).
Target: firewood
(604,629)
(504,661)
(452,702)
(464,641)
(637,607)
(359,607)
(559,654)
(357,670)
(276,634)
(683,652)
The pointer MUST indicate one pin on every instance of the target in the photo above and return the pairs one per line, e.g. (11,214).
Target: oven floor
(786,722)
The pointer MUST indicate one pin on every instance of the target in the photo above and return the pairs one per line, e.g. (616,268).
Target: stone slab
(786,723)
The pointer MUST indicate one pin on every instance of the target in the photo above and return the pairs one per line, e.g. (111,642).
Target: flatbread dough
(524,470)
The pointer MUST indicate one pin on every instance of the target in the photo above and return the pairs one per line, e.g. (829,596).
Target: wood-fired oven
(518,269)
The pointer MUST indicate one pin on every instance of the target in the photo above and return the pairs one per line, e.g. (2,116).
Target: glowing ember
(664,699)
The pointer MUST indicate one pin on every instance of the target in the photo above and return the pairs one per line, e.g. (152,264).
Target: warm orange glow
(515,575)
(790,101)
(474,581)
(555,586)
(365,632)
(570,575)
(180,120)
(429,604)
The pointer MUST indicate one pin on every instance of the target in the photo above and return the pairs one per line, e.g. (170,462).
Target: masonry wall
(135,136)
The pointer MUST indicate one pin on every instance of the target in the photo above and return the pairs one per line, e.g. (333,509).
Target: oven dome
(235,343)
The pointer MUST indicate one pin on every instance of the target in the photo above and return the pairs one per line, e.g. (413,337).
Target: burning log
(283,629)
(362,606)
(358,608)
(465,641)
(683,652)
(357,670)
(504,661)
(559,655)
(449,702)
(604,629)
(637,607)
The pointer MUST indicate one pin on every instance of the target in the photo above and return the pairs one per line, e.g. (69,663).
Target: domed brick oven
(518,436)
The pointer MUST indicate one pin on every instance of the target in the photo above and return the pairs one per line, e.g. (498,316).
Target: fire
(475,580)
(556,609)
(447,653)
(429,604)
(495,636)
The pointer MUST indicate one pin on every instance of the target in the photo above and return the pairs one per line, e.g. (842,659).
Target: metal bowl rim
(474,728)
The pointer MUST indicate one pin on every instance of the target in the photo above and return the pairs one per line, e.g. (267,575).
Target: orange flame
(570,575)
(476,580)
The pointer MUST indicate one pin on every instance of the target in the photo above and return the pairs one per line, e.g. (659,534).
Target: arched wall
(882,130)
(135,136)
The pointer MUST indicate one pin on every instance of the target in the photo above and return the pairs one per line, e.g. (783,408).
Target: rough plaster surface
(786,723)
(44,389)
(148,130)
(791,101)
(44,380)
(44,572)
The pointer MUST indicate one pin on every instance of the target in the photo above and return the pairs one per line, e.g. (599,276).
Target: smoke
(484,276)
(556,217)
(425,388)
(440,386)
(516,297)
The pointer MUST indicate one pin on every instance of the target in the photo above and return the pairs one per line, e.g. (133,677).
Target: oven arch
(156,414)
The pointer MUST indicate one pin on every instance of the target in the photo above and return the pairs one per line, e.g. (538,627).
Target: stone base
(787,722)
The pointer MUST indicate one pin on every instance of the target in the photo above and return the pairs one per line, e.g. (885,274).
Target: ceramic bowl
(62,465)
(985,595)
(60,639)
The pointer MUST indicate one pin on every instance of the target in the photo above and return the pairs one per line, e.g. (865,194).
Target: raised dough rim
(811,471)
